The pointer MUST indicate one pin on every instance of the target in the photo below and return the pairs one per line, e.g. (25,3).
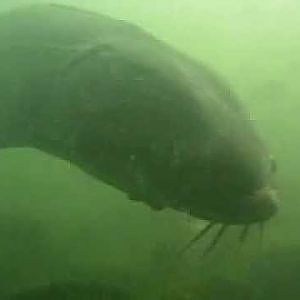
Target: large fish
(133,112)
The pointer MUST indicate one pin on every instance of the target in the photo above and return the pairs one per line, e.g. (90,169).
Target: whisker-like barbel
(197,237)
(215,240)
(261,233)
(244,234)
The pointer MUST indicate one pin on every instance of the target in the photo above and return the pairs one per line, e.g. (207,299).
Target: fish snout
(264,203)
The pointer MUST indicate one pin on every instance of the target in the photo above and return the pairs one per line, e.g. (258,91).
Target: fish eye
(273,165)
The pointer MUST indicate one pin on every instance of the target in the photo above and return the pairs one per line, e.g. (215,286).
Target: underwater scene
(149,149)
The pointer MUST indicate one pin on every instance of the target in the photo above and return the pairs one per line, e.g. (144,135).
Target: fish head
(234,183)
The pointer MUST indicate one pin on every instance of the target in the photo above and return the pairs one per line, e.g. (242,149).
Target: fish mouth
(257,208)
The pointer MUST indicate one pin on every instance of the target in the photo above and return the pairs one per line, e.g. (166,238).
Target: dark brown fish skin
(131,111)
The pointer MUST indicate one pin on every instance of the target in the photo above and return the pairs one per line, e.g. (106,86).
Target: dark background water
(58,224)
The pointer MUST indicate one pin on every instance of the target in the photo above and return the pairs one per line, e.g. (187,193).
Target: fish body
(133,112)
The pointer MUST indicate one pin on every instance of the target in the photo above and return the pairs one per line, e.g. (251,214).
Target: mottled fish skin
(132,111)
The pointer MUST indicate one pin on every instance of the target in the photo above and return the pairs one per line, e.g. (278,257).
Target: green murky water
(59,225)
